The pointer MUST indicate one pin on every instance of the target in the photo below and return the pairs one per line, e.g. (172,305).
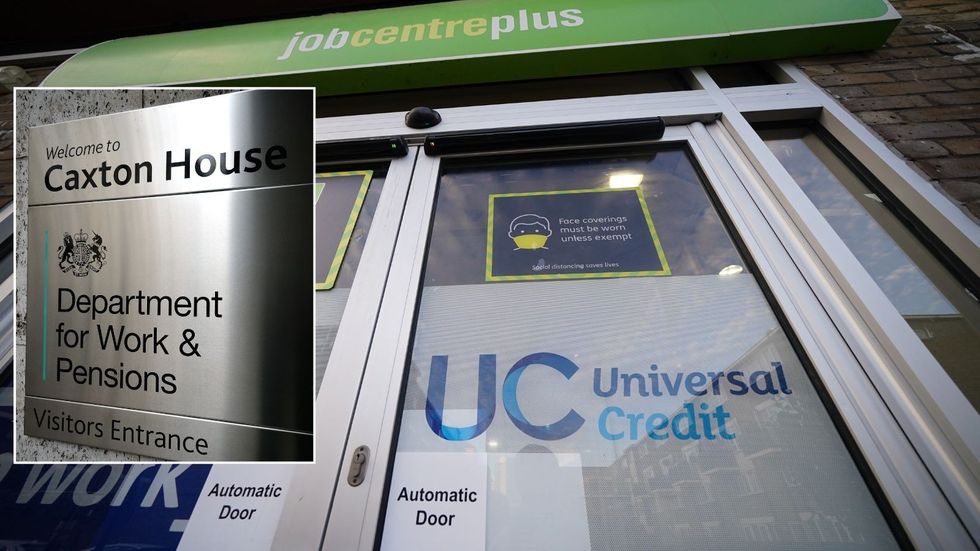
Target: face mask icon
(530,231)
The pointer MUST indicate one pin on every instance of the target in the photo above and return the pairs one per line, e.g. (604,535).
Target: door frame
(917,441)
(311,488)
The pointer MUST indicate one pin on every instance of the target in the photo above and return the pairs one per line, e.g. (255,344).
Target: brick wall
(920,92)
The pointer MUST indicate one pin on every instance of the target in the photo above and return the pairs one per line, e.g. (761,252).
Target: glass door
(344,205)
(357,210)
(580,352)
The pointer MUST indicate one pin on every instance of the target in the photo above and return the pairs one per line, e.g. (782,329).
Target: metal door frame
(913,426)
(311,488)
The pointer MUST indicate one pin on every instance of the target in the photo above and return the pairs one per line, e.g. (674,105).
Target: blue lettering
(597,382)
(692,386)
(604,423)
(486,399)
(781,377)
(706,422)
(735,378)
(655,422)
(720,416)
(692,427)
(562,428)
(672,387)
(766,377)
(634,419)
(654,381)
(641,384)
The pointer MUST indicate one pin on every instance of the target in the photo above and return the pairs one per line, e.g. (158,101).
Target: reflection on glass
(330,303)
(609,412)
(931,300)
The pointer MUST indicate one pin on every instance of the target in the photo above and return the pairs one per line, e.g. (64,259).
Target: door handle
(358,466)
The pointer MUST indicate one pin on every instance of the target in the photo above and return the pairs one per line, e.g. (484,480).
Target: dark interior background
(43,27)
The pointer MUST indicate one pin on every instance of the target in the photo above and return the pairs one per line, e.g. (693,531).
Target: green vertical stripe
(44,322)
(345,237)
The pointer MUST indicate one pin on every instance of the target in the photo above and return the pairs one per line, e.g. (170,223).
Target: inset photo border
(164,248)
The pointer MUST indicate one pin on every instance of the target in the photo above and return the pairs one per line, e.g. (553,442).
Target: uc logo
(487,398)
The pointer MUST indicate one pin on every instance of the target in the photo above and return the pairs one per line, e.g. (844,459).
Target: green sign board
(471,41)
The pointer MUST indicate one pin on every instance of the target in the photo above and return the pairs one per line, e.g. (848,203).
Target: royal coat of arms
(80,256)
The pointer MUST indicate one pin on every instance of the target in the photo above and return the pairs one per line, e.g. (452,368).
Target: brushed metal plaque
(237,140)
(201,307)
(191,311)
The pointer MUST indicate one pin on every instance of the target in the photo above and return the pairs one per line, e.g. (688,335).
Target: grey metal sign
(240,140)
(176,326)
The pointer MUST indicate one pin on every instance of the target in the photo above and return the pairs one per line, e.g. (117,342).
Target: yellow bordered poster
(572,234)
(337,199)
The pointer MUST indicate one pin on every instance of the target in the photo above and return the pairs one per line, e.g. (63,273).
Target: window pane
(929,297)
(680,210)
(636,400)
(336,206)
